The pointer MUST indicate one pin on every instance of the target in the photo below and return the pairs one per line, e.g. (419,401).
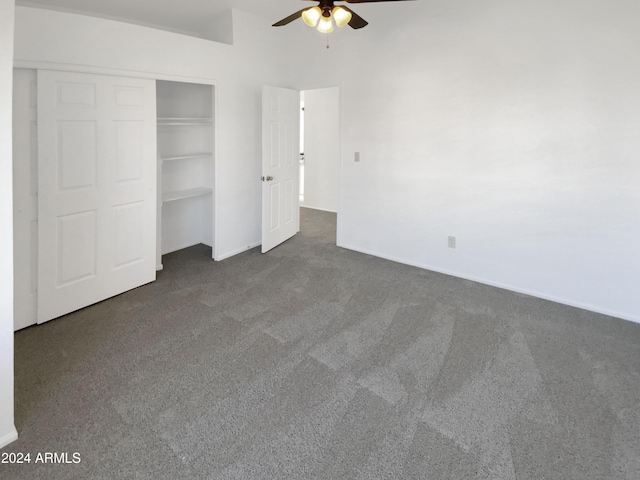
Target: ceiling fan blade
(289,19)
(356,20)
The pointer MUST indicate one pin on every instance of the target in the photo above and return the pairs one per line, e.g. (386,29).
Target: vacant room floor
(313,361)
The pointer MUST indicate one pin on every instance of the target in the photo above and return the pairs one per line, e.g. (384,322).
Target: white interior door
(97,188)
(25,198)
(280,143)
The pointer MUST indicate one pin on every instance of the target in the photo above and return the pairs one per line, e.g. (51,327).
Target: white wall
(322,148)
(7,429)
(513,126)
(239,71)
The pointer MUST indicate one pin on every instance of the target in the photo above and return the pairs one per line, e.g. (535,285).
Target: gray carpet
(314,362)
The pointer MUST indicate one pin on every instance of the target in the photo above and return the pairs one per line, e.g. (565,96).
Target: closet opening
(185,166)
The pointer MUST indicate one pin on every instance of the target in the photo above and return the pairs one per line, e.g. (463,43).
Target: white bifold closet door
(97,188)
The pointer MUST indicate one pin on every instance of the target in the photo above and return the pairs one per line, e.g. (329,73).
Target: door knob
(268,179)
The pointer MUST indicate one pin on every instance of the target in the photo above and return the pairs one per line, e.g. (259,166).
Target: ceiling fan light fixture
(341,16)
(325,25)
(311,16)
(326,13)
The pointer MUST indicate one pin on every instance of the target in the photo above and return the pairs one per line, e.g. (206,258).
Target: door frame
(25,197)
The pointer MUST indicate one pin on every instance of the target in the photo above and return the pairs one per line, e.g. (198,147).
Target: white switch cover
(356,157)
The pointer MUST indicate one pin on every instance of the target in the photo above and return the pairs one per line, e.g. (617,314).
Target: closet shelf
(187,193)
(169,158)
(180,121)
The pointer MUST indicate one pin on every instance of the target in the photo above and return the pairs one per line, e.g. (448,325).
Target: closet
(185,166)
(89,152)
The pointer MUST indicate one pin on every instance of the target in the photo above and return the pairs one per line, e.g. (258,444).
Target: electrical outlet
(451,242)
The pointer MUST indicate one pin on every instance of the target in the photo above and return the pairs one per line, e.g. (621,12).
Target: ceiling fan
(325,13)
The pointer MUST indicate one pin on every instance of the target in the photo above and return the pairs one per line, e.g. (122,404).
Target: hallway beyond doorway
(318,225)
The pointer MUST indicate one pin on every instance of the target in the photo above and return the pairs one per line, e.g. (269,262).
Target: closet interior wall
(185,166)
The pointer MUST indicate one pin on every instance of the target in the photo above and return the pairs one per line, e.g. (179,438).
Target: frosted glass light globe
(325,25)
(311,16)
(341,16)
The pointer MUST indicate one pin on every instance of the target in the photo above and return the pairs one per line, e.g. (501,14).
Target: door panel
(130,151)
(280,122)
(129,234)
(77,154)
(78,264)
(97,205)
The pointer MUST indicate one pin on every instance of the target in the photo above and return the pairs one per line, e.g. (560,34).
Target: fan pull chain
(327,41)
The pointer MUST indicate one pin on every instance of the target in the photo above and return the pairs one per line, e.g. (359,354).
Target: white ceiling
(186,16)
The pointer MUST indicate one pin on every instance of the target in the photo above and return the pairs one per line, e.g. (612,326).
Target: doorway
(320,151)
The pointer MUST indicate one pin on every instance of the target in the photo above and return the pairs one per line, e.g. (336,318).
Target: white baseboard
(8,437)
(183,246)
(224,256)
(532,293)
(318,208)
